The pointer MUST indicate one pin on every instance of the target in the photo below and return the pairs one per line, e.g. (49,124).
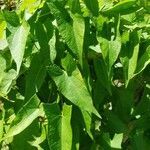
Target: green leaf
(93,6)
(64,23)
(29,5)
(41,35)
(75,6)
(79,29)
(3,42)
(87,121)
(114,50)
(55,71)
(2,32)
(43,38)
(53,52)
(139,141)
(12,18)
(114,123)
(38,140)
(117,140)
(110,48)
(35,77)
(79,59)
(123,7)
(70,86)
(69,64)
(59,126)
(143,61)
(71,29)
(7,80)
(26,136)
(2,116)
(102,73)
(17,44)
(105,141)
(129,55)
(76,121)
(143,106)
(27,114)
(2,66)
(6,77)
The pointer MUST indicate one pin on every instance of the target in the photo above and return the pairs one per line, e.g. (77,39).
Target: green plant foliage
(59,128)
(75,74)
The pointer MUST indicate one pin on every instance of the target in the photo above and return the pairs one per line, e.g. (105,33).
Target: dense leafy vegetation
(75,74)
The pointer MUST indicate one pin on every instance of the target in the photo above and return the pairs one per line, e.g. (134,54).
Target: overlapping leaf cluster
(75,74)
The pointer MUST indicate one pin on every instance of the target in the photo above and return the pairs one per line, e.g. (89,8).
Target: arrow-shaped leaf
(73,88)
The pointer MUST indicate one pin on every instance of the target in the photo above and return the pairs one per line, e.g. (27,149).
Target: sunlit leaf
(70,86)
(59,126)
(17,44)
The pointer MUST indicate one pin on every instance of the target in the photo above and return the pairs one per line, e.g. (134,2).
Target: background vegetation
(74,74)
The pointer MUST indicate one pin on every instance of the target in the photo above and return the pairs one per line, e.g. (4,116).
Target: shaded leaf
(35,77)
(129,55)
(143,61)
(25,117)
(114,123)
(71,29)
(93,6)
